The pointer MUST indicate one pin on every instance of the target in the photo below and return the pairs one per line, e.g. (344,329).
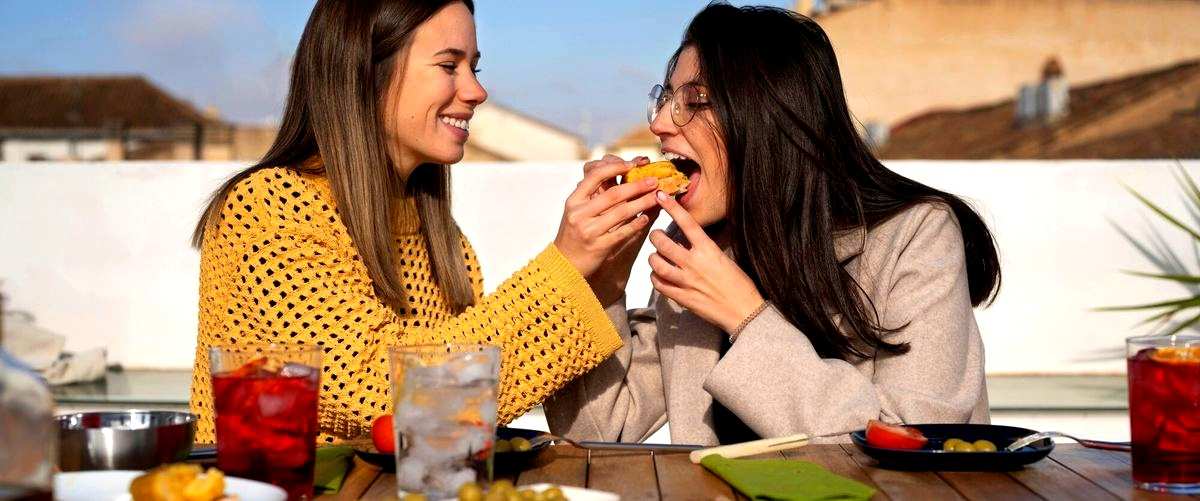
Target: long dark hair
(800,174)
(340,76)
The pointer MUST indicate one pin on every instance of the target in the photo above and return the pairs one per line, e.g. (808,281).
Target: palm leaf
(1164,214)
(1182,325)
(1186,279)
(1187,302)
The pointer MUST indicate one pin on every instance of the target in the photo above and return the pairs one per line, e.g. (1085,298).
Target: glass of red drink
(266,414)
(1164,412)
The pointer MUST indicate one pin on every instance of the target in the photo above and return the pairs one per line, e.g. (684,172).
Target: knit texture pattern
(278,267)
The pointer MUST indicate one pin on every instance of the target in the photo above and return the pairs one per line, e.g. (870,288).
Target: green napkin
(332,465)
(784,479)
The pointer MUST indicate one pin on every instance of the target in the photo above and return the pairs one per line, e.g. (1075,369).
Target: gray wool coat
(913,269)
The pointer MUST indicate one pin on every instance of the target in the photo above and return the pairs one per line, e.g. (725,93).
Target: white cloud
(221,53)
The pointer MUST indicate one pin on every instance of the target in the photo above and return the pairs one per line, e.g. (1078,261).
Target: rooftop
(1154,114)
(90,102)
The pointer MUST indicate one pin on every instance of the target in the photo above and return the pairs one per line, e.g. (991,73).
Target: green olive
(951,445)
(503,445)
(520,444)
(554,494)
(984,446)
(414,497)
(494,495)
(528,495)
(470,491)
(502,486)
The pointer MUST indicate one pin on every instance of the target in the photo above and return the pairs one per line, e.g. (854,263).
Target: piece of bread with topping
(670,180)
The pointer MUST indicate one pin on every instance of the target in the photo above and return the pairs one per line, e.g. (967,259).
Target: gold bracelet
(746,321)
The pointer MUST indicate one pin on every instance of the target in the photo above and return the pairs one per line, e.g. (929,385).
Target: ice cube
(294,369)
(274,404)
(488,410)
(441,448)
(479,439)
(449,480)
(472,369)
(419,375)
(410,473)
(410,418)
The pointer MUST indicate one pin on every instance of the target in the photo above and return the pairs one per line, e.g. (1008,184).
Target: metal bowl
(123,440)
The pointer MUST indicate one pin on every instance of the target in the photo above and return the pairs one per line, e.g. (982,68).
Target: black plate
(932,457)
(503,461)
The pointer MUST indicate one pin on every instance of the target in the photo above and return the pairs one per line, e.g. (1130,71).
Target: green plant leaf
(1187,279)
(1182,326)
(1162,213)
(1187,302)
(1164,316)
(1191,185)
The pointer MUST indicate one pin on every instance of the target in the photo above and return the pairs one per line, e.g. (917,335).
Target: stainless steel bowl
(123,440)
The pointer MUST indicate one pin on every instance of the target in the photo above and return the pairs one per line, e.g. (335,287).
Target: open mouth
(690,169)
(685,165)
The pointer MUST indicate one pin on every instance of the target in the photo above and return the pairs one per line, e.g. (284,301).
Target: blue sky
(584,64)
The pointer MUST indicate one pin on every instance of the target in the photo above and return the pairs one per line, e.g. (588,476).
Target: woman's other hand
(700,277)
(601,219)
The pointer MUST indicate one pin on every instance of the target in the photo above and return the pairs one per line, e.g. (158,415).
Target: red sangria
(1164,412)
(266,417)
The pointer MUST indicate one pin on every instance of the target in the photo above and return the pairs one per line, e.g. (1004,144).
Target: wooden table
(1071,472)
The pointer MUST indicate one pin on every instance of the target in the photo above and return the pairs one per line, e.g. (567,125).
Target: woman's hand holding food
(700,277)
(611,277)
(601,219)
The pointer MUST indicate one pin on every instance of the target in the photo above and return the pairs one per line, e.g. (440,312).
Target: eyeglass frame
(655,104)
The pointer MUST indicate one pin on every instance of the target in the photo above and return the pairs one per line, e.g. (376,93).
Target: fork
(1091,444)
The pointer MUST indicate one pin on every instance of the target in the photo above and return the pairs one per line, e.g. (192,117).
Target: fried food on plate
(179,482)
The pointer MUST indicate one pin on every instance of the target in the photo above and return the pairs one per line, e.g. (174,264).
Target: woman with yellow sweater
(342,237)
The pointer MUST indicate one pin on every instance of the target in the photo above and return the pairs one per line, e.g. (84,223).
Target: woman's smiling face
(434,92)
(696,147)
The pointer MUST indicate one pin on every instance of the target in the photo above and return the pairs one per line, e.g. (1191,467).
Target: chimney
(1046,101)
(1054,95)
(876,135)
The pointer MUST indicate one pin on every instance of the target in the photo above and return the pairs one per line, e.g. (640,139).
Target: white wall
(518,137)
(98,251)
(19,150)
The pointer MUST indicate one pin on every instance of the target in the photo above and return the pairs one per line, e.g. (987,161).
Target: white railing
(99,251)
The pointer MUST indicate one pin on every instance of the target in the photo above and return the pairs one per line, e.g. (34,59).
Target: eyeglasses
(685,102)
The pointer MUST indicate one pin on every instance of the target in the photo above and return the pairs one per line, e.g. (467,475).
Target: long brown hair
(800,174)
(340,75)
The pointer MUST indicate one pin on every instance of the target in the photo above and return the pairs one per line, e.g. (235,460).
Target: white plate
(576,493)
(114,486)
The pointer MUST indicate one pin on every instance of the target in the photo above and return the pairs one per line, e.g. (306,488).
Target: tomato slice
(887,436)
(383,434)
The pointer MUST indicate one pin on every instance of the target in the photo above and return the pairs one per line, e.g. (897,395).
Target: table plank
(987,485)
(1108,469)
(679,478)
(359,480)
(836,460)
(629,474)
(384,489)
(1052,480)
(903,484)
(560,465)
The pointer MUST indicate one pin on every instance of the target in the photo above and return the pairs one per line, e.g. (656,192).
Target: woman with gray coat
(804,287)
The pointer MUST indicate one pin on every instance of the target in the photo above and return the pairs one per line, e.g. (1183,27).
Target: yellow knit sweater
(279,267)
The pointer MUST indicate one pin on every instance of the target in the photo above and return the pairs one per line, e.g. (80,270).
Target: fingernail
(662,196)
(649,181)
